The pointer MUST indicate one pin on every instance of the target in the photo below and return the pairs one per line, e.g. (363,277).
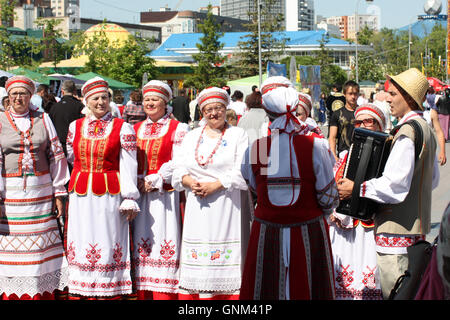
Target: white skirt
(355,263)
(98,246)
(211,250)
(157,241)
(31,248)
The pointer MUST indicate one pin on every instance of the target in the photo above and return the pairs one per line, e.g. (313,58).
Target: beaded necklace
(208,160)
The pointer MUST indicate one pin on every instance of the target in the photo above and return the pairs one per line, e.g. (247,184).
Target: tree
(369,64)
(54,49)
(210,70)
(98,50)
(330,73)
(7,45)
(272,43)
(130,61)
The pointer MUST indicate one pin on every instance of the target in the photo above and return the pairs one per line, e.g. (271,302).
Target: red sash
(96,158)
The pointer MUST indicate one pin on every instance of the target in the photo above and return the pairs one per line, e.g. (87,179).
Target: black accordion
(366,160)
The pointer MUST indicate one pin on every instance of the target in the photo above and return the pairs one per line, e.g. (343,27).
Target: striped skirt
(288,263)
(32,260)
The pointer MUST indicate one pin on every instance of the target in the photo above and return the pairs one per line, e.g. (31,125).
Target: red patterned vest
(306,207)
(97,158)
(152,153)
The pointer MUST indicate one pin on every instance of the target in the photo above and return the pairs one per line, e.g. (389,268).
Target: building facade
(301,19)
(348,25)
(174,22)
(181,47)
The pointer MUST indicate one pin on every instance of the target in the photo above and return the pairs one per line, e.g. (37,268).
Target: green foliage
(131,61)
(52,36)
(123,62)
(8,48)
(210,70)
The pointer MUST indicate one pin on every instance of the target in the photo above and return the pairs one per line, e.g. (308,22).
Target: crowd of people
(219,198)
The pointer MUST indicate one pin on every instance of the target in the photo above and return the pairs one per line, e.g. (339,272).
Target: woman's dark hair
(136,97)
(254,100)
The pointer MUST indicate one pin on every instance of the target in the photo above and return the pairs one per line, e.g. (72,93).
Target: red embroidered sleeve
(128,142)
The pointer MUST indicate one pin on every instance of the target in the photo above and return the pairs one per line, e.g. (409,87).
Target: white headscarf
(281,98)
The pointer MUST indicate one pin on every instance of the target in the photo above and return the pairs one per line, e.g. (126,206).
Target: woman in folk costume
(352,240)
(289,254)
(103,193)
(304,111)
(214,237)
(157,229)
(34,173)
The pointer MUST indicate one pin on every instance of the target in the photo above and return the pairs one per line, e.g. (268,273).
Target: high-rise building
(300,19)
(349,24)
(60,7)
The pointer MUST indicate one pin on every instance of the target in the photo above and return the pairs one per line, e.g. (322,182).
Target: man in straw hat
(405,187)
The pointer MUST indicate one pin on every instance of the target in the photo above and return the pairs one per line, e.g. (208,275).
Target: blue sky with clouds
(394,13)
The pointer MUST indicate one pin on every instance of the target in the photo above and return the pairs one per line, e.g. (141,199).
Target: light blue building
(181,47)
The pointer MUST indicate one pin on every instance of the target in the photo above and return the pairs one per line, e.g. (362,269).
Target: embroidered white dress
(212,247)
(157,229)
(98,238)
(31,250)
(356,274)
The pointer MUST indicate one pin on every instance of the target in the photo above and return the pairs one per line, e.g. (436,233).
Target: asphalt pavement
(440,196)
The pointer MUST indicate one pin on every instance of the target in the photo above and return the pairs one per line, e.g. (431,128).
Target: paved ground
(440,195)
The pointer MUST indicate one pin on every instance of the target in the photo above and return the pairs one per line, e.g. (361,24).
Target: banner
(310,78)
(275,69)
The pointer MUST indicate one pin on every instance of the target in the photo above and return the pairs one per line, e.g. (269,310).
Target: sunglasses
(367,122)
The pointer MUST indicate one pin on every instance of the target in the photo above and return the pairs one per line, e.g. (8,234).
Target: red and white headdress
(20,82)
(158,88)
(304,101)
(93,86)
(213,94)
(374,111)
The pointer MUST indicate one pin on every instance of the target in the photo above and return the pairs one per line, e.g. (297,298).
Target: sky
(394,13)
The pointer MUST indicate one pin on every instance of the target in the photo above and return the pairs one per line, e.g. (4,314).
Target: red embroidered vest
(152,153)
(97,158)
(306,207)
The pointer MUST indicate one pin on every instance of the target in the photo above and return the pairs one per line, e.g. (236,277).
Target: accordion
(366,160)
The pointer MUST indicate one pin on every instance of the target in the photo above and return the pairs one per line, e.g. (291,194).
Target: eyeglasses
(367,122)
(212,109)
(19,94)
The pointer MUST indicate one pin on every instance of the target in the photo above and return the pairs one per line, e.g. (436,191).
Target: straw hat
(414,83)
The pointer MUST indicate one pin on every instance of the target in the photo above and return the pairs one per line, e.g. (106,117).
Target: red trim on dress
(98,159)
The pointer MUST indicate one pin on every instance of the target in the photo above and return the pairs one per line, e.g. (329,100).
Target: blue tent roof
(422,28)
(181,41)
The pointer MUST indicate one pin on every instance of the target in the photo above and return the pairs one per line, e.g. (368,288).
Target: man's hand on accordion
(345,188)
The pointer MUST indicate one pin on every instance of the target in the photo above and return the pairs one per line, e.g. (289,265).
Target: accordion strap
(360,174)
(418,136)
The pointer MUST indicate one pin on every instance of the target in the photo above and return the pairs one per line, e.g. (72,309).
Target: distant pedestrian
(134,111)
(180,105)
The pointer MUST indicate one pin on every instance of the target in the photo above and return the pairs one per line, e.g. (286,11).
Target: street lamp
(259,43)
(356,36)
